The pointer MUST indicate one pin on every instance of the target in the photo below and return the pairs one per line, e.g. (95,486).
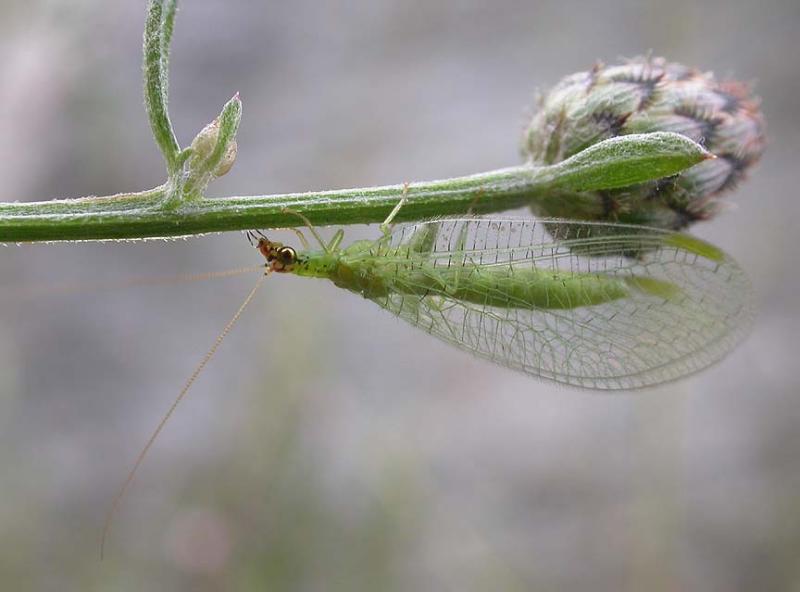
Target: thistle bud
(648,95)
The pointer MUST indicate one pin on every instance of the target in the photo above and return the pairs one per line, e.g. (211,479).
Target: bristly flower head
(647,95)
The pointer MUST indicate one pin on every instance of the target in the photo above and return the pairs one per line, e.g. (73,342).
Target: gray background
(329,446)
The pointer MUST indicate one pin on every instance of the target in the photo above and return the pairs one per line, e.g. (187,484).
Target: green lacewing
(594,305)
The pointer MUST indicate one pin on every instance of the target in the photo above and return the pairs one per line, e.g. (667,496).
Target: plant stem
(137,215)
(157,37)
(616,162)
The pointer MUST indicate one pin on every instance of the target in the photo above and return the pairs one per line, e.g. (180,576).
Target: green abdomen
(497,286)
(530,288)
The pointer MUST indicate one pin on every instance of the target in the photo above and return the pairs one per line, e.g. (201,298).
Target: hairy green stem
(157,36)
(612,163)
(138,215)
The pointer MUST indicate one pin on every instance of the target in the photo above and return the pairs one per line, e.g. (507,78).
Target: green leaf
(623,161)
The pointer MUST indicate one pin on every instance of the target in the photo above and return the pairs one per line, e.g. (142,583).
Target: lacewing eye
(287,255)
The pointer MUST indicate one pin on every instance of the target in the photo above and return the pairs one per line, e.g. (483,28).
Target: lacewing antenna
(192,378)
(64,288)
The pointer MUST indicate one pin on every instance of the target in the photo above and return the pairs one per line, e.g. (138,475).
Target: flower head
(647,95)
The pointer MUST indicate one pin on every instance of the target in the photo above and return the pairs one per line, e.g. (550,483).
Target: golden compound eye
(287,255)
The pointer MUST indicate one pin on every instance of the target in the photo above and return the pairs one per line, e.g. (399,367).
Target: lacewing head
(280,258)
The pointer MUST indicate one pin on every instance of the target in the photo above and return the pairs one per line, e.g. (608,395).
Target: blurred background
(329,446)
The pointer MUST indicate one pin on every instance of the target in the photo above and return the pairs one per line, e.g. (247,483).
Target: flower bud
(641,96)
(204,144)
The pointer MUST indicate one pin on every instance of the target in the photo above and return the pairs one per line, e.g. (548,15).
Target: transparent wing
(640,340)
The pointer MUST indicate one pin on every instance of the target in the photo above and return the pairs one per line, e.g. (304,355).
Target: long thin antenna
(139,459)
(64,288)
